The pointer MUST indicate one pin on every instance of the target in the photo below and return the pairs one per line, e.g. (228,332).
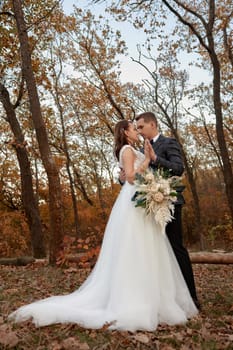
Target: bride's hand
(151,151)
(147,150)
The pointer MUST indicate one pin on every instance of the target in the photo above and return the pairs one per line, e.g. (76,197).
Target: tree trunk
(28,198)
(78,183)
(227,170)
(211,51)
(22,261)
(196,258)
(211,258)
(55,196)
(67,155)
(196,205)
(96,175)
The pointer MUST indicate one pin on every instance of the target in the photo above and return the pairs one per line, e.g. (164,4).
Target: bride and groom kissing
(142,277)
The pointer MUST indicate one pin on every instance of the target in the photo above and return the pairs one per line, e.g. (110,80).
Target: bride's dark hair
(119,135)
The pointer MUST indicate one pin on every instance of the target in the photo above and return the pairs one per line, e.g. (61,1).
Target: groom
(166,154)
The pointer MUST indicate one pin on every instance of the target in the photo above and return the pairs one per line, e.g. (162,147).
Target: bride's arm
(128,159)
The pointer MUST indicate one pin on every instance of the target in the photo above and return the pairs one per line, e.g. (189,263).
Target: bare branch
(20,95)
(7,13)
(226,44)
(41,19)
(190,25)
(192,12)
(211,15)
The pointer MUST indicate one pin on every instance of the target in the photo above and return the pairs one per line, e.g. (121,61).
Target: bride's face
(132,133)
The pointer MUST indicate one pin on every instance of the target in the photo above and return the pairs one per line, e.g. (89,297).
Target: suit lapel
(157,143)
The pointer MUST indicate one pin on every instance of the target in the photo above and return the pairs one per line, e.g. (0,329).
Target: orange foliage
(215,224)
(71,252)
(86,247)
(14,234)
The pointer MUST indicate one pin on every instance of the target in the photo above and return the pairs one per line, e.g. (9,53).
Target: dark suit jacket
(169,157)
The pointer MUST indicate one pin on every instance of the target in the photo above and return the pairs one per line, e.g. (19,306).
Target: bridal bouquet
(155,192)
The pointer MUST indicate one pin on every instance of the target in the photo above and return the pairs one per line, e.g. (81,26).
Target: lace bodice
(139,156)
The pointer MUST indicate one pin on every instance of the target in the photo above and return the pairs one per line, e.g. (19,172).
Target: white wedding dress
(135,285)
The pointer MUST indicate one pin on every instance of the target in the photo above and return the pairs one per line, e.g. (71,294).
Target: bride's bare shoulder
(127,149)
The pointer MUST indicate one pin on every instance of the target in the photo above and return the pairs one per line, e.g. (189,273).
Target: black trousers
(175,236)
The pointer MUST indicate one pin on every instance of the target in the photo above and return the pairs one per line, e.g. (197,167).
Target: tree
(164,94)
(57,95)
(28,198)
(205,35)
(55,195)
(205,23)
(91,102)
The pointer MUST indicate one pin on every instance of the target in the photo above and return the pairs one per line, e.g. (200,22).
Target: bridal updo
(120,138)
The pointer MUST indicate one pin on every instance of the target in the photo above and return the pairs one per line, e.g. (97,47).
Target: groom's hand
(152,154)
(122,176)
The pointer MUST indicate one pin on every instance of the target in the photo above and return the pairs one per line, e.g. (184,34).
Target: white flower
(158,197)
(155,187)
(149,177)
(155,193)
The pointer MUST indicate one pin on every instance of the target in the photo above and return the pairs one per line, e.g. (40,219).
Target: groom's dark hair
(148,117)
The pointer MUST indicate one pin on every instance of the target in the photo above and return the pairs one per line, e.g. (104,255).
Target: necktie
(151,142)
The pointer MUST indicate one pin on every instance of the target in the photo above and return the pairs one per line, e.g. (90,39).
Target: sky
(132,71)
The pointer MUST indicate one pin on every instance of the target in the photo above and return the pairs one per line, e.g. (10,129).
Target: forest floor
(212,329)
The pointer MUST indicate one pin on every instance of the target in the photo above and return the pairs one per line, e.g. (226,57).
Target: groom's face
(148,130)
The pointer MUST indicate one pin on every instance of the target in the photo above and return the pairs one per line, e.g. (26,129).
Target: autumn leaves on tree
(61,95)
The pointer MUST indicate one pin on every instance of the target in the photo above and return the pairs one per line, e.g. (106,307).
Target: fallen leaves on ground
(212,329)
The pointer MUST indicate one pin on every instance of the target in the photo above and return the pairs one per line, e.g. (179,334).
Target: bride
(136,283)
